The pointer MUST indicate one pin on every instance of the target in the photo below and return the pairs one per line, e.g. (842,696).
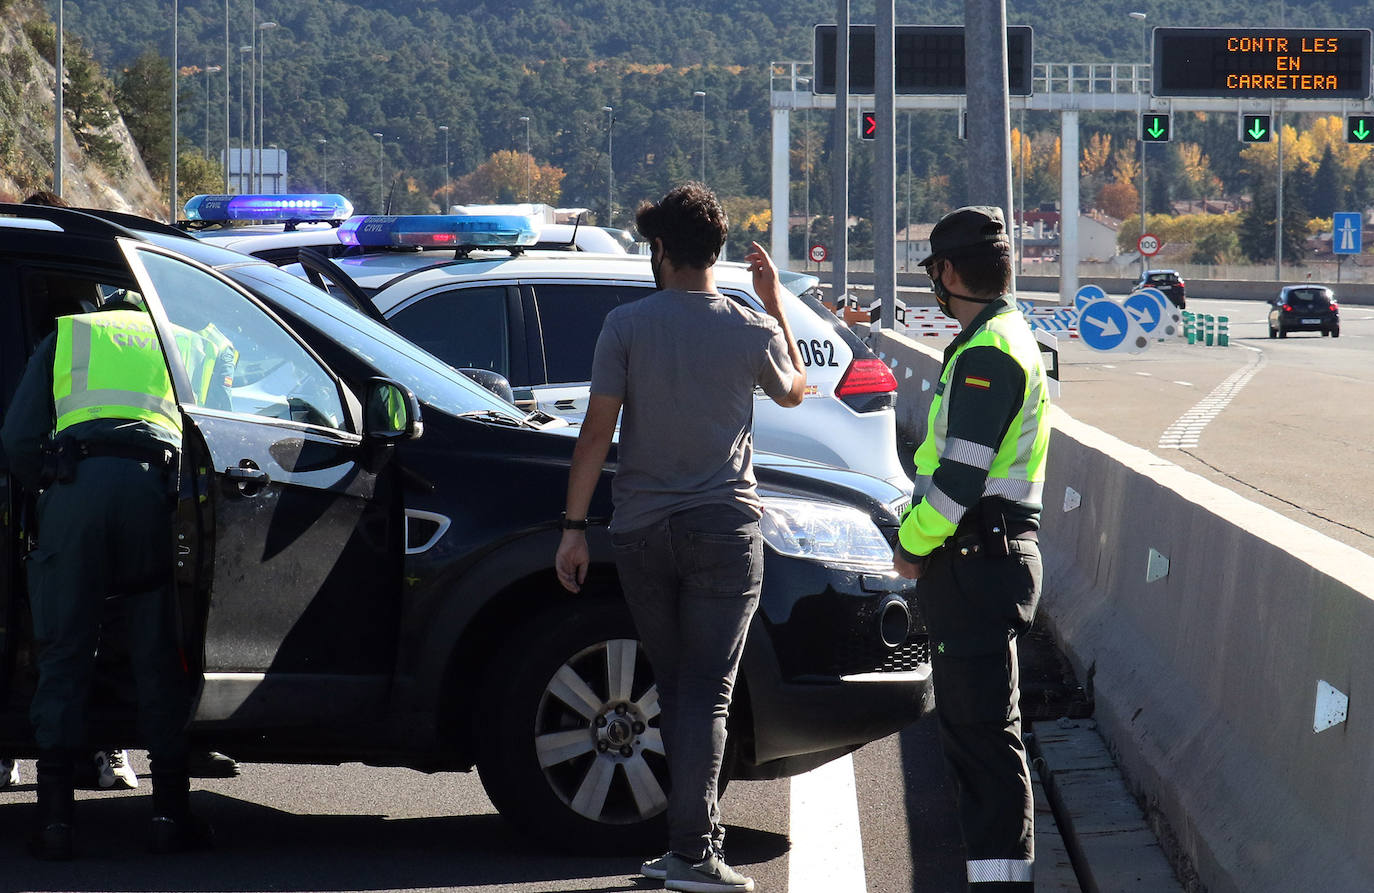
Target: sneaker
(112,770)
(9,773)
(211,764)
(707,876)
(657,868)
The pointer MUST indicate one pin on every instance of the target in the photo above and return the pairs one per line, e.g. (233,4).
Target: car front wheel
(569,746)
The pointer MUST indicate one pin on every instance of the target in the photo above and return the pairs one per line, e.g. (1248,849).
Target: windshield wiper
(500,418)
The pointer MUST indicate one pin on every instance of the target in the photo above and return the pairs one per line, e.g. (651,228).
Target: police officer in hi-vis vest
(971,538)
(95,426)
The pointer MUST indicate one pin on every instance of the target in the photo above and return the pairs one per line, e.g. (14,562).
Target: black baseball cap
(965,232)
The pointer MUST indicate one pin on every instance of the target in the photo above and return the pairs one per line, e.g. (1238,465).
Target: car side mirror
(391,412)
(492,381)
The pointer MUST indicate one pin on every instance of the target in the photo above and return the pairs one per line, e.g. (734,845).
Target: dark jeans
(692,583)
(106,533)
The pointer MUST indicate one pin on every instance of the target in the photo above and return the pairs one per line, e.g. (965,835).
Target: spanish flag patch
(974,382)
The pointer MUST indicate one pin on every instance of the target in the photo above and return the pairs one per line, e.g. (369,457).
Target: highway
(1286,422)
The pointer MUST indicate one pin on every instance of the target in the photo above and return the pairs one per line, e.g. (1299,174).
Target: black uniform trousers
(974,606)
(107,533)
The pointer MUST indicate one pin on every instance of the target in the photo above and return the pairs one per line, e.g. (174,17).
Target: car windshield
(434,382)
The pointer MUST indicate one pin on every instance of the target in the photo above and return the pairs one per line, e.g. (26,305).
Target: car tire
(1272,333)
(601,782)
(1326,333)
(1282,332)
(1336,332)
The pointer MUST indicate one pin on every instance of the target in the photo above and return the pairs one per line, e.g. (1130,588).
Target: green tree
(144,94)
(1328,186)
(197,175)
(88,101)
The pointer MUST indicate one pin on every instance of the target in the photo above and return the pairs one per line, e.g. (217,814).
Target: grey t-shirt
(684,366)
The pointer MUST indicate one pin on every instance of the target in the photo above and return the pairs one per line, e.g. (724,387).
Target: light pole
(57,116)
(209,70)
(610,164)
(324,164)
(264,27)
(239,183)
(1145,44)
(381,201)
(806,171)
(226,96)
(443,128)
(176,76)
(702,94)
(528,161)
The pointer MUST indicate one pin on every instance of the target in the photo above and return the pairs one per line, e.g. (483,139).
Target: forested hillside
(337,72)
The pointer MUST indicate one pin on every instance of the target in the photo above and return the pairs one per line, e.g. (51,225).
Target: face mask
(942,294)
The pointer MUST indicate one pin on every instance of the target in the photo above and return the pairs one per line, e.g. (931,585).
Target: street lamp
(209,70)
(264,27)
(240,185)
(381,200)
(1145,45)
(324,164)
(444,128)
(610,164)
(806,169)
(702,94)
(528,161)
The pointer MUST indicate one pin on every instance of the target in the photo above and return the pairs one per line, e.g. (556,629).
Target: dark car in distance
(1167,281)
(1305,308)
(354,589)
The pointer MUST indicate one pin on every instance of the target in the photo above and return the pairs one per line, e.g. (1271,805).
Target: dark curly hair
(691,223)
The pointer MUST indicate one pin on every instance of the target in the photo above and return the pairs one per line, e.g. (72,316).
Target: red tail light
(866,376)
(1333,304)
(1288,308)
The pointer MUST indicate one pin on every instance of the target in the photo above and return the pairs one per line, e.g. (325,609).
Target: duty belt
(158,457)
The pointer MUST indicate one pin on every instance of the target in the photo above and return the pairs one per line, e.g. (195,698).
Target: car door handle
(247,477)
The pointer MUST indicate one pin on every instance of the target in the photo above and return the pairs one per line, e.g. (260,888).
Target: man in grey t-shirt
(683,364)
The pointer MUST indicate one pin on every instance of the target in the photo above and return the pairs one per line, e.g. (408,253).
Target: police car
(469,290)
(354,586)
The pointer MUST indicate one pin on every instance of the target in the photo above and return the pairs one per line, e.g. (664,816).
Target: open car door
(301,525)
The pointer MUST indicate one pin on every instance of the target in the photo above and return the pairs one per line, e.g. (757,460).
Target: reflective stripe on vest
(1000,871)
(1015,470)
(110,366)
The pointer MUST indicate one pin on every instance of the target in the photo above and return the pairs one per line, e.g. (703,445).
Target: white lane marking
(827,853)
(1188,428)
(1186,384)
(1146,374)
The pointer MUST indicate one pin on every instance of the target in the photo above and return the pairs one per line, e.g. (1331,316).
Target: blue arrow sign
(1086,294)
(1144,309)
(1346,234)
(1105,325)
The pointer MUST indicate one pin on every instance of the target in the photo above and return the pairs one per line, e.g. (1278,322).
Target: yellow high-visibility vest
(109,365)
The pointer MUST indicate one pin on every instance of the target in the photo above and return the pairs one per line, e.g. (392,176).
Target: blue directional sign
(1144,309)
(1346,232)
(1086,294)
(1105,325)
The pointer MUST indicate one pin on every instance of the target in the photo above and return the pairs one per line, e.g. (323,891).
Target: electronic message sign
(1289,63)
(927,59)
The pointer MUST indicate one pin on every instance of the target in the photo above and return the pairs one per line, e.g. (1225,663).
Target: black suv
(351,594)
(1167,281)
(1304,308)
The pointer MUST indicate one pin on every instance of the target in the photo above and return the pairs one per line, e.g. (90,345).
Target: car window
(570,316)
(1308,295)
(384,351)
(466,327)
(238,358)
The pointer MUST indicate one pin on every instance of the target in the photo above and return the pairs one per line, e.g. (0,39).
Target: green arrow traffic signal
(1359,128)
(1154,128)
(1256,129)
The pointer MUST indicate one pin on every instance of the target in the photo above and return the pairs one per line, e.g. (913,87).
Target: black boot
(174,829)
(52,834)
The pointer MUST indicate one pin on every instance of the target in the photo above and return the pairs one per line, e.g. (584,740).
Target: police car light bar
(268,208)
(441,231)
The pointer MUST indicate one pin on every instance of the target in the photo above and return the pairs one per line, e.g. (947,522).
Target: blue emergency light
(441,231)
(268,208)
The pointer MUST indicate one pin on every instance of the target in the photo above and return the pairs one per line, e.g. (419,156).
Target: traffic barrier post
(1209,326)
(1223,331)
(1189,326)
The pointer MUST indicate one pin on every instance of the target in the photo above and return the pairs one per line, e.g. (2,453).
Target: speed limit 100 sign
(1148,244)
(818,253)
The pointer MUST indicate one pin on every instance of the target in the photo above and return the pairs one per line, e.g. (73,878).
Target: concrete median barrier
(1212,632)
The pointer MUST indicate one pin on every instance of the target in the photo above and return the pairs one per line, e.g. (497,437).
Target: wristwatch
(573,523)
